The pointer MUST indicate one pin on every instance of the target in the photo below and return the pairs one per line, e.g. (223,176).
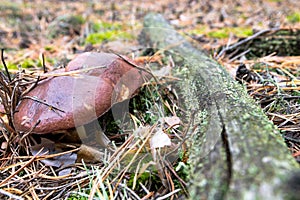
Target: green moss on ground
(294,17)
(223,32)
(104,31)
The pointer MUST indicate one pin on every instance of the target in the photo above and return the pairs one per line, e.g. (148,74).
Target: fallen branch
(236,152)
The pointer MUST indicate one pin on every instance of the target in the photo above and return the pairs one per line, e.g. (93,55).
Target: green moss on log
(236,152)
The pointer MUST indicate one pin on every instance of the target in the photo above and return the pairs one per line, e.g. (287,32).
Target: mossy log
(235,151)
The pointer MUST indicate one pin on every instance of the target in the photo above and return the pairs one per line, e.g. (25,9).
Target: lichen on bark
(235,151)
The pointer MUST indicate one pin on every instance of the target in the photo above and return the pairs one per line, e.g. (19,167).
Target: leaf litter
(25,33)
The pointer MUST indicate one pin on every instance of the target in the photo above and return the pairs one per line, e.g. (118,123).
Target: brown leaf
(49,148)
(89,154)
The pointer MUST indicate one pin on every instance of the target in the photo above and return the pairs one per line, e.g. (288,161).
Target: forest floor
(58,30)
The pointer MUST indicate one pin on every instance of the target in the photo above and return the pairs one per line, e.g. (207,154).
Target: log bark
(235,151)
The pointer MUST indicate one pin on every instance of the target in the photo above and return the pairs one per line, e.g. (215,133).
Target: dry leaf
(142,131)
(172,121)
(160,139)
(89,154)
(58,161)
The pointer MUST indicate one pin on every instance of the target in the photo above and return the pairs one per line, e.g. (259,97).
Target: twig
(43,63)
(4,64)
(10,195)
(240,55)
(75,72)
(134,65)
(42,102)
(13,104)
(131,191)
(21,168)
(144,188)
(31,87)
(168,195)
(3,82)
(4,92)
(38,157)
(182,182)
(291,139)
(227,48)
(31,129)
(147,196)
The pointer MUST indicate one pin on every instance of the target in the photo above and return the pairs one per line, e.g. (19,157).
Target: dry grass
(132,169)
(276,87)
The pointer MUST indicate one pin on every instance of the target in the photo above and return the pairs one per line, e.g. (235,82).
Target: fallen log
(235,151)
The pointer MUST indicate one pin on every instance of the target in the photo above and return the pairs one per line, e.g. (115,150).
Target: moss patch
(98,38)
(223,32)
(294,17)
(104,31)
(105,26)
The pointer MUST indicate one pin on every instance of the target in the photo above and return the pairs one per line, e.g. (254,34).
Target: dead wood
(235,152)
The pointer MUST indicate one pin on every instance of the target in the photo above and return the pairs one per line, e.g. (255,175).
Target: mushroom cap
(64,102)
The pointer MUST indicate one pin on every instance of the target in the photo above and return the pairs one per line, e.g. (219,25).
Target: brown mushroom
(72,100)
